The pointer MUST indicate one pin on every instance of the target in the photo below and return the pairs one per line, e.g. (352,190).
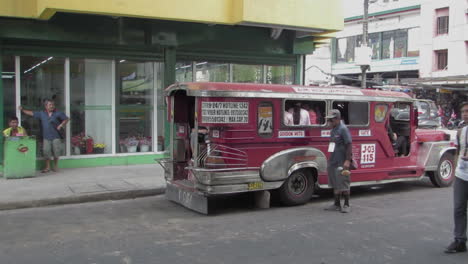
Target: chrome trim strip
(197,169)
(353,184)
(302,165)
(235,188)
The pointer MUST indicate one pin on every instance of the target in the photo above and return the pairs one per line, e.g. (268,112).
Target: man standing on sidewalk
(52,123)
(460,188)
(340,160)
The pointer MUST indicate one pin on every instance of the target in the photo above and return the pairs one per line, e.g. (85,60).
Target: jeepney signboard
(225,112)
(316,90)
(291,134)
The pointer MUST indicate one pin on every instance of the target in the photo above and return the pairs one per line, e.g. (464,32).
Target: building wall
(390,22)
(455,42)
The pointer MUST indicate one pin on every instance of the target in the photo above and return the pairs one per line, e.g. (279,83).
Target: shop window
(134,113)
(41,78)
(353,113)
(442,59)
(374,43)
(413,42)
(345,49)
(401,40)
(265,119)
(9,92)
(212,72)
(304,113)
(247,73)
(91,106)
(341,50)
(280,74)
(388,40)
(184,72)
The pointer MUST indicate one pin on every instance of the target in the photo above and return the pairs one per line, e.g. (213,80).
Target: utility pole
(364,41)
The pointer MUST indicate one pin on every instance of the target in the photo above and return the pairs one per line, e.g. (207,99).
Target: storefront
(107,70)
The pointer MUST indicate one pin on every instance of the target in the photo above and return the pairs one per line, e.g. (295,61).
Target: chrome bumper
(232,180)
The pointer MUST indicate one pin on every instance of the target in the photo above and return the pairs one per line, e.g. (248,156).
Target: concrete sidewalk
(82,185)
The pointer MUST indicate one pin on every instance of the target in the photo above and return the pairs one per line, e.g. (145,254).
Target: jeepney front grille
(220,156)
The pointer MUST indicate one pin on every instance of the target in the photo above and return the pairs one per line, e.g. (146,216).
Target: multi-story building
(422,43)
(393,29)
(107,62)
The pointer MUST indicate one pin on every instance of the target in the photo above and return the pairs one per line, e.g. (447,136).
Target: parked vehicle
(455,123)
(246,145)
(428,115)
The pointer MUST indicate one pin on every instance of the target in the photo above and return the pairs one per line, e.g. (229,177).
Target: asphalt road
(398,223)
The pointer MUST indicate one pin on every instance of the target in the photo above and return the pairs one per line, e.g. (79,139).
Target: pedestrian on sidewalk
(14,130)
(52,124)
(339,162)
(460,188)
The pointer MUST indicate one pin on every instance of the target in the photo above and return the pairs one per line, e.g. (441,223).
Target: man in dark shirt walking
(340,160)
(52,123)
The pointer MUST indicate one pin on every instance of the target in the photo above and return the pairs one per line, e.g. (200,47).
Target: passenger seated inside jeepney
(295,115)
(398,129)
(312,114)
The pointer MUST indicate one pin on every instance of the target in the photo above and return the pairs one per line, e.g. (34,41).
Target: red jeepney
(230,138)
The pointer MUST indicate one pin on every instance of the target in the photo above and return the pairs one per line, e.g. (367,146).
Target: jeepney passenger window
(380,112)
(265,119)
(304,113)
(353,113)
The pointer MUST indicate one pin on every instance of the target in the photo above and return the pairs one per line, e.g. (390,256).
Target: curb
(86,198)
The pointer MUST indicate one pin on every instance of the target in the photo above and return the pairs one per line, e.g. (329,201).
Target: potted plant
(98,148)
(145,143)
(77,143)
(131,143)
(82,144)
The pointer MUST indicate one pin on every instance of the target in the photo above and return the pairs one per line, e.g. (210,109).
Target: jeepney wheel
(444,175)
(297,189)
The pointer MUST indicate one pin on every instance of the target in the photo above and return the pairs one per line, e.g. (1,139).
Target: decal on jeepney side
(365,133)
(225,112)
(291,134)
(367,154)
(325,133)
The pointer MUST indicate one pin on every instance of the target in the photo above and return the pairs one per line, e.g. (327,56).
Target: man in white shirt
(460,188)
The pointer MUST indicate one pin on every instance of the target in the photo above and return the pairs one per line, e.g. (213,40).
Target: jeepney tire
(442,177)
(297,189)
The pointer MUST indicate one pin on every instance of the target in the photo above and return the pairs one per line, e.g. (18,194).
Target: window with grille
(442,59)
(442,25)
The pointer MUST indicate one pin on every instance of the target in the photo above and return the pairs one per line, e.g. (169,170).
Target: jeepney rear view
(228,138)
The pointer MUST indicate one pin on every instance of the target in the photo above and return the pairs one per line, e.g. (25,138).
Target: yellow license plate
(255,186)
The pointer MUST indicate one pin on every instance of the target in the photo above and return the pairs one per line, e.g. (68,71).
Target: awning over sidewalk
(317,17)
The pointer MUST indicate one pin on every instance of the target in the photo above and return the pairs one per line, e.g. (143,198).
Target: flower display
(145,141)
(99,145)
(131,142)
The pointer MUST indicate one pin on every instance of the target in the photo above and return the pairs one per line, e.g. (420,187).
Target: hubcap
(445,170)
(297,183)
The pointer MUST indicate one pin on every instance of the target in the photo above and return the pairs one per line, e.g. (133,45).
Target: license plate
(255,186)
